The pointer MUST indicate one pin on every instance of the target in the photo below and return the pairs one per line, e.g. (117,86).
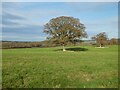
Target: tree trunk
(64,48)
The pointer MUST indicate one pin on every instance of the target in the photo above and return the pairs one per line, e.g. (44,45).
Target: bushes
(10,44)
(48,43)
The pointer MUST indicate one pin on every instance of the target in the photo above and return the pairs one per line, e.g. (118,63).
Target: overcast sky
(23,21)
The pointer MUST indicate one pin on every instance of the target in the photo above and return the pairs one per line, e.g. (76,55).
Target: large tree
(101,39)
(64,29)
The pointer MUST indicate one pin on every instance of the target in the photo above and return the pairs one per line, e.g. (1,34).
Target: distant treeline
(18,44)
(47,43)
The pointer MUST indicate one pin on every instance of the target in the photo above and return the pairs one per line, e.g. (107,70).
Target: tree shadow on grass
(74,49)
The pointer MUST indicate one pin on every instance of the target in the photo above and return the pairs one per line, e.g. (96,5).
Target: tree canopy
(101,39)
(113,41)
(65,29)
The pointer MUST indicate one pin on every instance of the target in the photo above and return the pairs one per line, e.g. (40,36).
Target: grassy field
(80,67)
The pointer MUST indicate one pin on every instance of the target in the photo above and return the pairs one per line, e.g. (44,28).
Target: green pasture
(78,67)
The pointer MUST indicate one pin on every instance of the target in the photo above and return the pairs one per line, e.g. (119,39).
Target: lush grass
(49,67)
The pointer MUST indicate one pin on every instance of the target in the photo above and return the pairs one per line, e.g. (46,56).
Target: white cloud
(39,16)
(23,37)
(108,25)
